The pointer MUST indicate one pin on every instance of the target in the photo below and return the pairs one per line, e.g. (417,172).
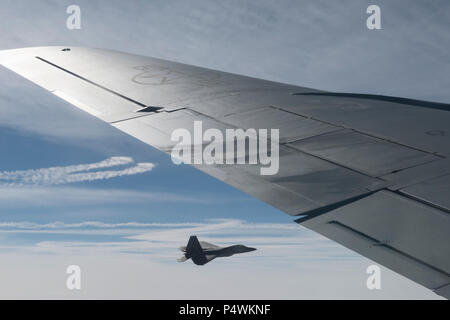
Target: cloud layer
(138,260)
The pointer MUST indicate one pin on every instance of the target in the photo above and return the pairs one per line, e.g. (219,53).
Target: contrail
(74,173)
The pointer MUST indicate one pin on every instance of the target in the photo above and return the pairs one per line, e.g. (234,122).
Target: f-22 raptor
(202,252)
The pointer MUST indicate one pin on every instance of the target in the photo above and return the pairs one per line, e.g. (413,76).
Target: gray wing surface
(206,245)
(369,172)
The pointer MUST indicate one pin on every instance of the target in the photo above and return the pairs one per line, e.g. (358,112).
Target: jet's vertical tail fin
(193,247)
(195,252)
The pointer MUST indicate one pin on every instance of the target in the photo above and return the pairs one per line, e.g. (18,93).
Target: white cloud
(24,225)
(291,263)
(74,173)
(52,196)
(42,187)
(162,239)
(109,276)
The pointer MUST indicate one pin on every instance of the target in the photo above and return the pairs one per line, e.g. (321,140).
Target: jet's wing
(206,245)
(370,172)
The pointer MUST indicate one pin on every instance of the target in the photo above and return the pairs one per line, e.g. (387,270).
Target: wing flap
(431,191)
(384,227)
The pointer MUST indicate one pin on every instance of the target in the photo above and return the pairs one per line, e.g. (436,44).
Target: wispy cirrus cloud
(52,196)
(74,173)
(58,225)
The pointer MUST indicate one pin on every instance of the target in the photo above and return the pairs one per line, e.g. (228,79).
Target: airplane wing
(206,245)
(370,172)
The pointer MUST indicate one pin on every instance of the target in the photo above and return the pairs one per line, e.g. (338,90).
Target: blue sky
(71,137)
(138,220)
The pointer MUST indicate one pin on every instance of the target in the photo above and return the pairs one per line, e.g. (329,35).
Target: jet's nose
(239,248)
(249,249)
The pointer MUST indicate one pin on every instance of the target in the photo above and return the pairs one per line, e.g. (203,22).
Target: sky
(74,190)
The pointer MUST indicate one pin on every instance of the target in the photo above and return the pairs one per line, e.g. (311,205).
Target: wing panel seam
(93,83)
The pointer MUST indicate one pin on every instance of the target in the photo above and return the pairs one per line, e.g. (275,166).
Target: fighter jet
(202,252)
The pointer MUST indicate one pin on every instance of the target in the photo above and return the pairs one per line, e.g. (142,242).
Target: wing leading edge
(358,169)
